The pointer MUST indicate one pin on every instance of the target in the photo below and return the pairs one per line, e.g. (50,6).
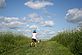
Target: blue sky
(46,16)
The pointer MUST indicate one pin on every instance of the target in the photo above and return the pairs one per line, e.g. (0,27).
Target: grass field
(65,43)
(71,40)
(14,44)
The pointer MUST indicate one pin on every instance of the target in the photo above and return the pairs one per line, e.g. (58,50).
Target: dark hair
(34,31)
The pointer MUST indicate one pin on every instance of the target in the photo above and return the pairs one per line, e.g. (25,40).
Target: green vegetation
(10,41)
(14,44)
(65,43)
(71,40)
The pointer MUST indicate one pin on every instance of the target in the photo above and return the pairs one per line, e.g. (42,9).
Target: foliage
(9,40)
(15,44)
(72,40)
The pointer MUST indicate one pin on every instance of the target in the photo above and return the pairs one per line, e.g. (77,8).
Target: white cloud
(33,27)
(23,30)
(38,4)
(8,19)
(34,17)
(19,30)
(61,31)
(28,30)
(13,24)
(18,24)
(2,3)
(44,34)
(10,22)
(52,33)
(48,32)
(48,23)
(74,15)
(11,19)
(27,25)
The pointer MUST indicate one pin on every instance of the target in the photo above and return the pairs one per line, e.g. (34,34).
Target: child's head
(34,31)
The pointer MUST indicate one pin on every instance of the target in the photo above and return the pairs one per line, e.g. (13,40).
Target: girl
(34,39)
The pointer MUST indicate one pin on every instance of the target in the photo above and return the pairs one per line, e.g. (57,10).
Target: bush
(9,40)
(72,40)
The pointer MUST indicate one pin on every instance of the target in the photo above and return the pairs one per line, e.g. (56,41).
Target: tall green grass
(9,41)
(15,44)
(72,40)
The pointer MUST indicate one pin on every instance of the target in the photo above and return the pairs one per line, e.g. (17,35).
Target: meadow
(70,39)
(65,43)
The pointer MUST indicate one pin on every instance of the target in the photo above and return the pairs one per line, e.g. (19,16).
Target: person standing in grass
(34,38)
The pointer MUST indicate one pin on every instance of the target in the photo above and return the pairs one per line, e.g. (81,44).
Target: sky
(47,17)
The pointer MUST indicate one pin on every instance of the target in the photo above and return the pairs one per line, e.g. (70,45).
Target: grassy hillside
(9,41)
(71,40)
(13,44)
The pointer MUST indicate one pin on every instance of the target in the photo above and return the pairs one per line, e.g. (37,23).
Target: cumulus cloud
(19,24)
(11,19)
(28,31)
(48,32)
(10,22)
(34,17)
(48,23)
(38,4)
(61,30)
(13,24)
(8,19)
(74,15)
(2,3)
(44,34)
(33,27)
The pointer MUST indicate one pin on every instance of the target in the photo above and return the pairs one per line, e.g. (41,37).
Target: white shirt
(34,35)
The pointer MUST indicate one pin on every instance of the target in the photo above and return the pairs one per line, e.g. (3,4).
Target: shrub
(9,40)
(72,40)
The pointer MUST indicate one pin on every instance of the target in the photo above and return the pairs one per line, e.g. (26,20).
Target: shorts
(33,40)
